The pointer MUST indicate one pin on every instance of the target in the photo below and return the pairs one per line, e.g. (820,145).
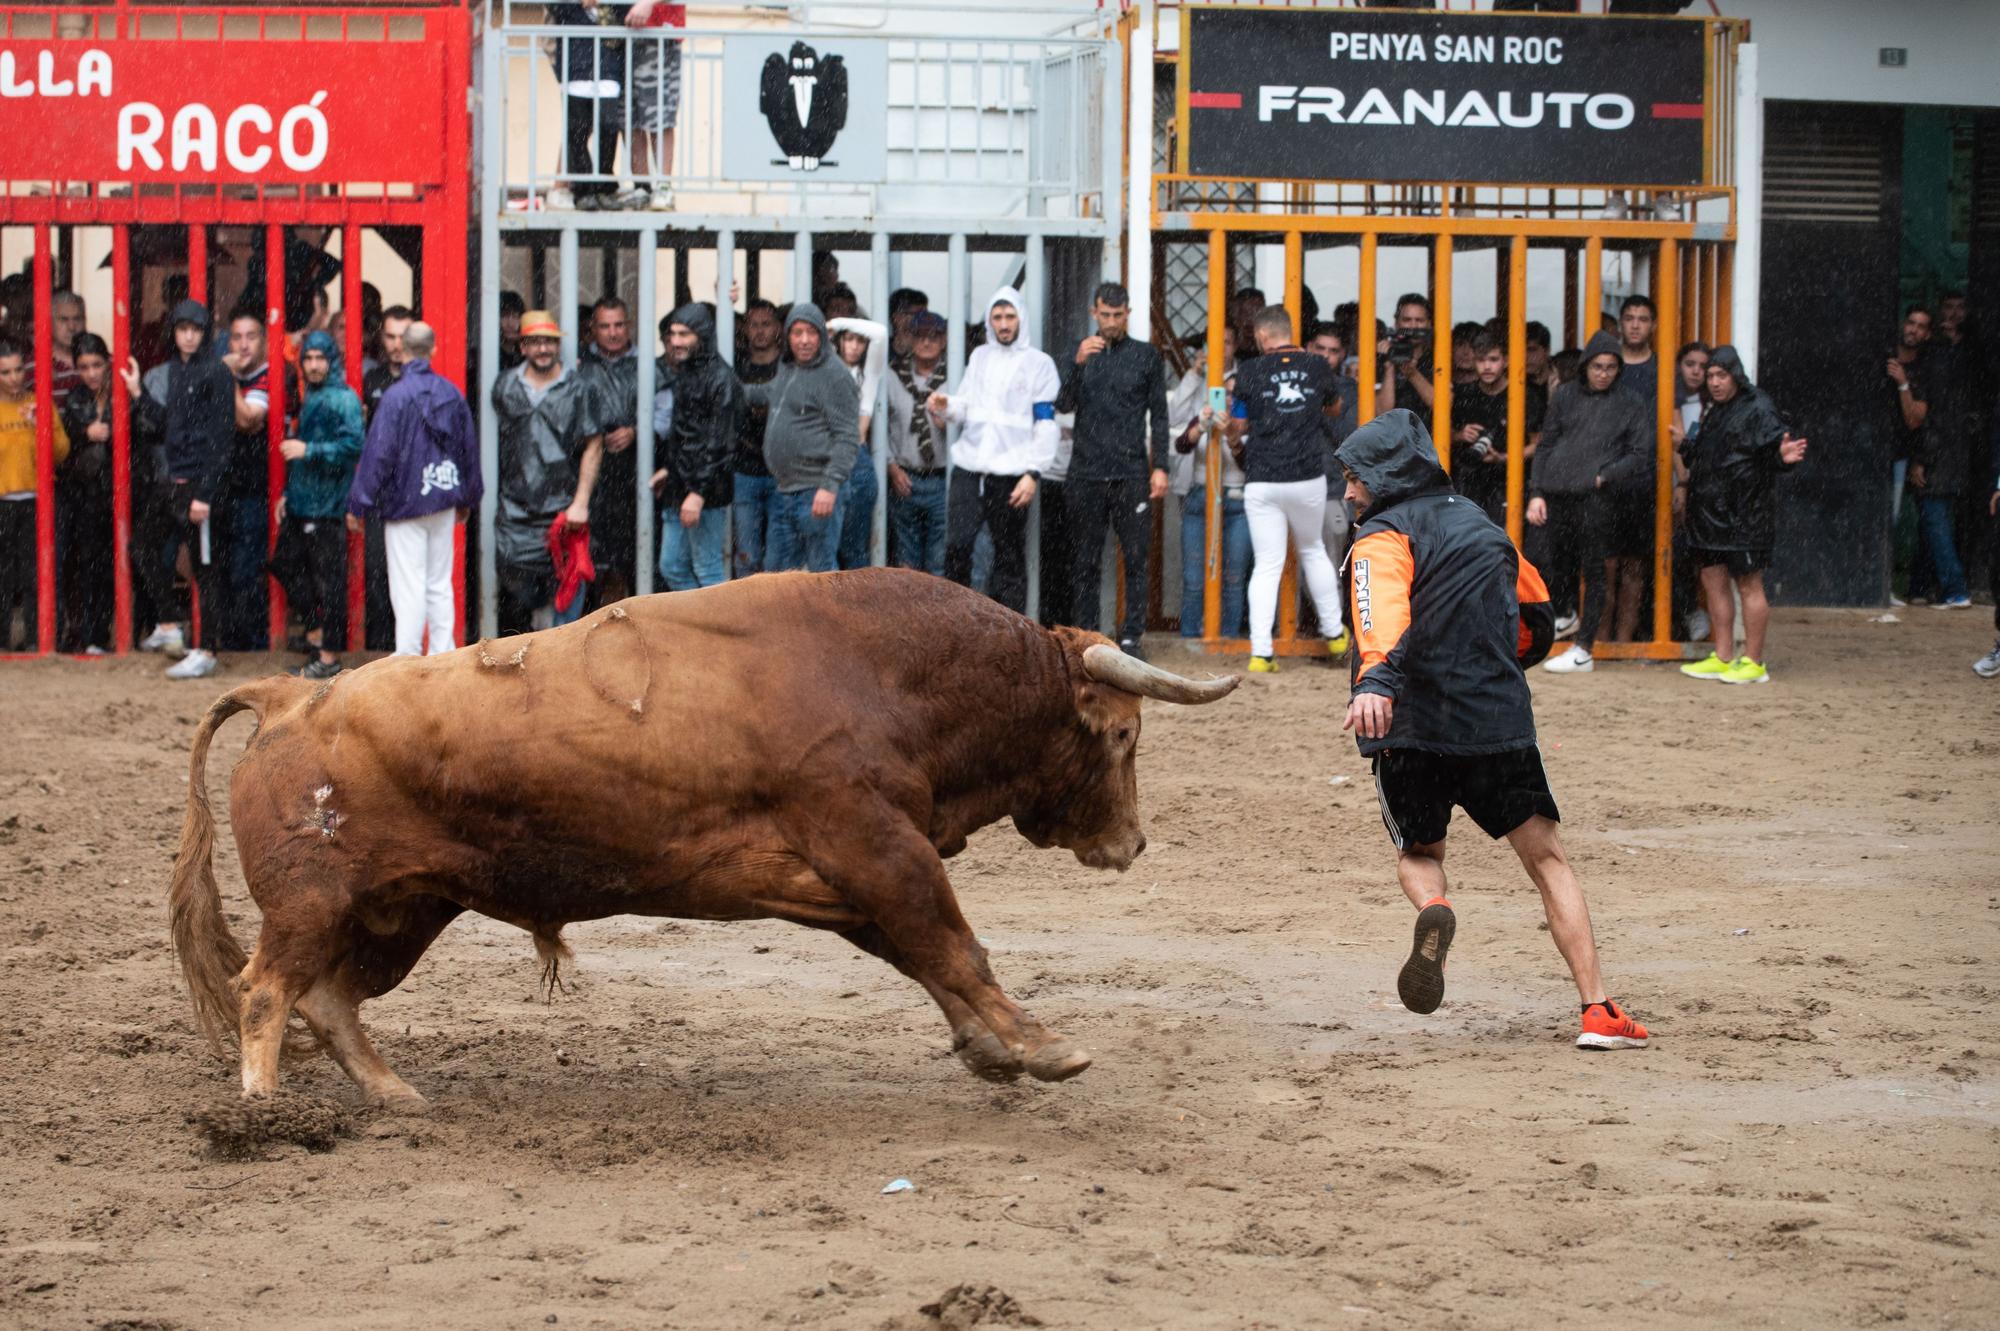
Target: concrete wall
(1829,50)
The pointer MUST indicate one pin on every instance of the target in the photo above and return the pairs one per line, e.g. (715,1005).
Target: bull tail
(210,957)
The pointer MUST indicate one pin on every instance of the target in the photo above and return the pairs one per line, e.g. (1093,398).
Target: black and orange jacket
(1447,615)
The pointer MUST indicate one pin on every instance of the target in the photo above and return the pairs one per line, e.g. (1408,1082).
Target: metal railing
(981,115)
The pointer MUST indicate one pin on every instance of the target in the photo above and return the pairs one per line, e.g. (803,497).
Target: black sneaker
(318,669)
(1421,983)
(1132,648)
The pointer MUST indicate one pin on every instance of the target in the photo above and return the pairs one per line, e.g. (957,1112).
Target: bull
(806,747)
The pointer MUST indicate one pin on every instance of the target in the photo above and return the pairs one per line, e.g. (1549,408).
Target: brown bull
(798,746)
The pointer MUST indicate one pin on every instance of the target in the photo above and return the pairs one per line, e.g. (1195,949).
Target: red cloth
(569,549)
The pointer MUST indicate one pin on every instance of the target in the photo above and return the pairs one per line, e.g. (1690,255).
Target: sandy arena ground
(1797,887)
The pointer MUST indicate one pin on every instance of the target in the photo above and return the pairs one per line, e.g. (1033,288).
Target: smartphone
(1218,400)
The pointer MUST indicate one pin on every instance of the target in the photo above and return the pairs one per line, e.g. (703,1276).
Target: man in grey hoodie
(1596,449)
(811,438)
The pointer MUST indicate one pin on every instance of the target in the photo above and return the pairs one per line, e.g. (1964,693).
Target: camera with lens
(1482,447)
(1404,344)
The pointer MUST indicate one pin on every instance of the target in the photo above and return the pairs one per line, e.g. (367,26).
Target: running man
(1442,707)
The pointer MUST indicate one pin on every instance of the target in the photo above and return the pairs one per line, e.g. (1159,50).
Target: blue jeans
(751,512)
(691,557)
(857,511)
(798,539)
(918,524)
(1235,564)
(1935,517)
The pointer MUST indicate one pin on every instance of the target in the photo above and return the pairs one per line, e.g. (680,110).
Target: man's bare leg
(1541,852)
(1756,615)
(1721,610)
(1420,871)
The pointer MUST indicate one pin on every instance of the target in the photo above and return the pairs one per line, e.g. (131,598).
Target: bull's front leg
(977,1047)
(894,877)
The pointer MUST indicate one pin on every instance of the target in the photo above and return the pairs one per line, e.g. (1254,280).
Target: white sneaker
(636,197)
(663,199)
(1565,626)
(1575,661)
(1988,666)
(197,664)
(560,198)
(1896,602)
(164,638)
(1955,603)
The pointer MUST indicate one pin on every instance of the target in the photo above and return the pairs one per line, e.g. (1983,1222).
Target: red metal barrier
(69,166)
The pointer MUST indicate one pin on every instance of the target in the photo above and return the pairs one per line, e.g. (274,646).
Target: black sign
(1515,99)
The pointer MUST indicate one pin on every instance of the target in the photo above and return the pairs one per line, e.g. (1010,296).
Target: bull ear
(1102,708)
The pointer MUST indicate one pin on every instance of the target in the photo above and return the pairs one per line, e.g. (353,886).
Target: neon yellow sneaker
(1746,671)
(1338,646)
(1712,668)
(1263,665)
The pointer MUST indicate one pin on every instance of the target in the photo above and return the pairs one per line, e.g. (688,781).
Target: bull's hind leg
(384,943)
(286,963)
(895,878)
(977,1047)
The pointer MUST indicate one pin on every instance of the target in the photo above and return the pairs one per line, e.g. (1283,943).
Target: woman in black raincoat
(1728,500)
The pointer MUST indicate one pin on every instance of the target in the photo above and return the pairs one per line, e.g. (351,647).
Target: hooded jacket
(1006,402)
(422,453)
(196,423)
(541,447)
(708,406)
(813,432)
(330,425)
(1446,612)
(1733,465)
(1587,434)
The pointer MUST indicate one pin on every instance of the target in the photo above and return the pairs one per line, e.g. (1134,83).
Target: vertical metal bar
(725,306)
(566,293)
(121,442)
(802,265)
(45,448)
(1218,318)
(491,194)
(357,542)
(198,265)
(1593,288)
(1364,326)
(1571,298)
(1034,289)
(1665,273)
(274,419)
(645,445)
(1517,385)
(1725,294)
(1442,365)
(878,415)
(957,298)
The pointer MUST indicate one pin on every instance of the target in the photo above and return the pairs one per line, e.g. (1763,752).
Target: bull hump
(618,662)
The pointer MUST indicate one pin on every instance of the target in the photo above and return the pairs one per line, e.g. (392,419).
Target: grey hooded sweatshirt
(813,432)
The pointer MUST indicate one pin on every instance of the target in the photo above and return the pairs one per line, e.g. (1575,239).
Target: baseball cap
(927,321)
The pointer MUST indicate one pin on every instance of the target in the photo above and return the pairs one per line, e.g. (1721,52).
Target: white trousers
(420,556)
(1277,510)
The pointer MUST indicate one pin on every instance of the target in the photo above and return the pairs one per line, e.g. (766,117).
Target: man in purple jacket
(419,472)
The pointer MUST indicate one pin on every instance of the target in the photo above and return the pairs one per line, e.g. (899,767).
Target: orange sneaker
(1606,1026)
(1421,982)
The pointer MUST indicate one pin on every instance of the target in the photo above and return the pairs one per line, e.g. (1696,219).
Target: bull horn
(1107,665)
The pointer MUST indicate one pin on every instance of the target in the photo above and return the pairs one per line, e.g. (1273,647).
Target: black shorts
(1741,563)
(1498,791)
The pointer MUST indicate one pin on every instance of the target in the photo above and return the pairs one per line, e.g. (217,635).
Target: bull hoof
(988,1059)
(1059,1060)
(401,1102)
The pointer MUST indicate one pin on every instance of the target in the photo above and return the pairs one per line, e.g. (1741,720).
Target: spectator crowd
(764,461)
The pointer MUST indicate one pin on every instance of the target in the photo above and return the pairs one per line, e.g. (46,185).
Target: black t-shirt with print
(1284,397)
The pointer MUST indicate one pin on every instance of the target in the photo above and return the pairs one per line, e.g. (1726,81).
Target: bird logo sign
(804,101)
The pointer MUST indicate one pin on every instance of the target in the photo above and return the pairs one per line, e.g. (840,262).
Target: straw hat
(540,323)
